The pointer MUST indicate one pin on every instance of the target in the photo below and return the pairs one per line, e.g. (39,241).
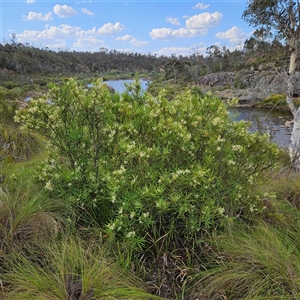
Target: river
(274,122)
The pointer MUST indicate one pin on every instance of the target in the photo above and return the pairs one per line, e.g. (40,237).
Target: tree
(215,53)
(282,16)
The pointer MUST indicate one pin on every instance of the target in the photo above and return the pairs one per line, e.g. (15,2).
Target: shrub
(275,99)
(144,166)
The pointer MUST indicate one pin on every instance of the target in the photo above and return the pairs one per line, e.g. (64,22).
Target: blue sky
(156,27)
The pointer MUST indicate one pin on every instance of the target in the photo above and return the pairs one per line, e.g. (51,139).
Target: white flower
(49,186)
(130,234)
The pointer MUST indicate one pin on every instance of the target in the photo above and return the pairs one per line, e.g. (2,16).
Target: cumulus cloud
(59,36)
(168,51)
(173,21)
(30,1)
(235,35)
(196,25)
(87,12)
(205,20)
(110,29)
(132,40)
(168,33)
(201,6)
(64,11)
(34,16)
(89,42)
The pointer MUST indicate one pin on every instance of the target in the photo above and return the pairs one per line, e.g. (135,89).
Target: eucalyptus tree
(282,17)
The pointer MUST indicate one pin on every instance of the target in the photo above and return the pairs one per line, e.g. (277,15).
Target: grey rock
(247,87)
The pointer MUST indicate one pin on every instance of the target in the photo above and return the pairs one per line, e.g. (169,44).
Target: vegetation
(140,195)
(172,191)
(283,17)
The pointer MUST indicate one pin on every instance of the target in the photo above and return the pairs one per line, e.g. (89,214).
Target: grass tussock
(27,213)
(259,262)
(71,270)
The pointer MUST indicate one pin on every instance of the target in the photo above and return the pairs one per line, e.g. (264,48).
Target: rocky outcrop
(247,87)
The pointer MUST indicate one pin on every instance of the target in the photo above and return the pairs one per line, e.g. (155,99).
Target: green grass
(71,269)
(254,262)
(27,213)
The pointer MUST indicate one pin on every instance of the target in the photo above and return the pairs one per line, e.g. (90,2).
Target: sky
(156,27)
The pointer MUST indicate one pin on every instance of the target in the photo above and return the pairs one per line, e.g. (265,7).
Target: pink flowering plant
(145,167)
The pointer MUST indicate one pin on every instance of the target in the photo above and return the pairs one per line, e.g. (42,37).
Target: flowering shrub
(146,166)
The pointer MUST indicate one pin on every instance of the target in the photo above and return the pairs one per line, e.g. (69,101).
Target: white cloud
(173,21)
(110,29)
(196,25)
(52,36)
(38,38)
(56,37)
(132,40)
(138,43)
(30,1)
(235,35)
(201,6)
(34,16)
(87,12)
(168,33)
(204,20)
(89,42)
(64,11)
(124,38)
(168,51)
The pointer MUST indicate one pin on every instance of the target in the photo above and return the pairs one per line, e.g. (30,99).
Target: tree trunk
(294,146)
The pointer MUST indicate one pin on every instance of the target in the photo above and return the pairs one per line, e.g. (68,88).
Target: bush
(275,99)
(146,167)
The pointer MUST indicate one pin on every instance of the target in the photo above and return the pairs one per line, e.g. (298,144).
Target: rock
(110,88)
(248,87)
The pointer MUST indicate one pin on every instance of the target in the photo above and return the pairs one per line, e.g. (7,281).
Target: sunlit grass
(259,262)
(71,269)
(27,213)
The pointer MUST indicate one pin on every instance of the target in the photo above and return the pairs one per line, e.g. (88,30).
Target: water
(119,85)
(275,122)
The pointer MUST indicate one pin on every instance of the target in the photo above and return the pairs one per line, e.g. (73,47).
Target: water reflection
(275,122)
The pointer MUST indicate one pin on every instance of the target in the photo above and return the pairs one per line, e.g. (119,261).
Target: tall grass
(69,270)
(260,262)
(27,214)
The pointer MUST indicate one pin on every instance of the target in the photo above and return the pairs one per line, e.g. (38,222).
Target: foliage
(257,262)
(144,166)
(70,269)
(277,100)
(26,214)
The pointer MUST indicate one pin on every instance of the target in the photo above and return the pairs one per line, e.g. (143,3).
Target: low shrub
(146,168)
(275,99)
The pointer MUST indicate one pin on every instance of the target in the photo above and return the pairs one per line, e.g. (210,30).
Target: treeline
(256,54)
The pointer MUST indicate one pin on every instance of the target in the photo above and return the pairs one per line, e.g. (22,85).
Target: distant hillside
(25,59)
